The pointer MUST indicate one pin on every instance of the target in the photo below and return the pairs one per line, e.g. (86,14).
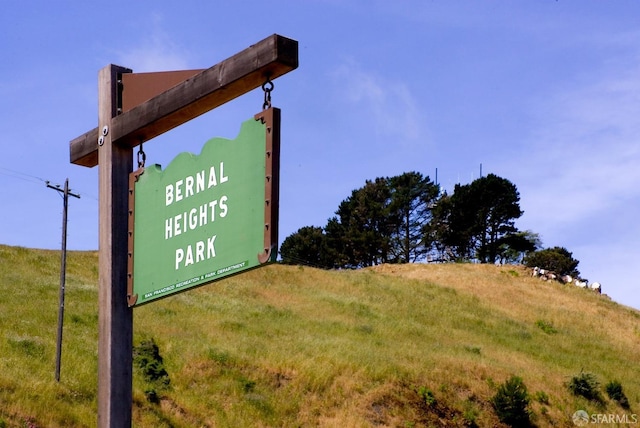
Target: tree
(498,207)
(477,220)
(306,246)
(451,226)
(556,259)
(516,246)
(412,197)
(401,219)
(383,222)
(360,233)
(511,403)
(458,226)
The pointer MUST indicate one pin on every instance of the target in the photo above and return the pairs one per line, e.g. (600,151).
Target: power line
(7,172)
(20,175)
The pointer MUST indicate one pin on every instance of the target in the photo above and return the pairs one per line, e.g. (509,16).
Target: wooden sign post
(111,146)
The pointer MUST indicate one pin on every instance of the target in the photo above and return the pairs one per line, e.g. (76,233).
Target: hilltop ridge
(392,345)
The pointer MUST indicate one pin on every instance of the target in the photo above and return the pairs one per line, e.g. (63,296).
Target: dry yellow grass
(289,346)
(594,334)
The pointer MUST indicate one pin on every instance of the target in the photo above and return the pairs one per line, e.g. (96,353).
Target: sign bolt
(105,131)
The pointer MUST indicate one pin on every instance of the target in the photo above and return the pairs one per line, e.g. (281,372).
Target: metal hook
(267,87)
(142,156)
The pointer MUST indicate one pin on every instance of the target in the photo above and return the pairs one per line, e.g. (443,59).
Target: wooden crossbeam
(237,75)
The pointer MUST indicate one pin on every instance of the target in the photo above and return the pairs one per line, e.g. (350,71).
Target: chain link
(142,156)
(267,87)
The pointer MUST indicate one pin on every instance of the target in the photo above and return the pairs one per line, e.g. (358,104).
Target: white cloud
(586,153)
(390,105)
(580,177)
(156,51)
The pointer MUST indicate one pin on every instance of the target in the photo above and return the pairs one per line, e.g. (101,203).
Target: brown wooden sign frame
(111,146)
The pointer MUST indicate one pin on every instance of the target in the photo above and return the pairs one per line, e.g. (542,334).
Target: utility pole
(63,267)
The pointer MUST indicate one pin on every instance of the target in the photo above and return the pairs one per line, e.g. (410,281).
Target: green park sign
(205,216)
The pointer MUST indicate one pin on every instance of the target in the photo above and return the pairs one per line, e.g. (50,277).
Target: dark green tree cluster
(477,222)
(406,218)
(557,259)
(382,222)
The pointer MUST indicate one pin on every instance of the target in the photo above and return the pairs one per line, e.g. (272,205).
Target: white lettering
(176,225)
(196,217)
(199,251)
(179,257)
(179,190)
(212,205)
(188,186)
(168,228)
(200,181)
(223,206)
(203,214)
(211,251)
(223,178)
(185,256)
(212,177)
(188,260)
(193,218)
(168,195)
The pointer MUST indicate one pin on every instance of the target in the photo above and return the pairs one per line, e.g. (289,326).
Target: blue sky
(543,93)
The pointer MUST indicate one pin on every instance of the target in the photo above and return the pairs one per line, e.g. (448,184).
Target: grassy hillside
(395,345)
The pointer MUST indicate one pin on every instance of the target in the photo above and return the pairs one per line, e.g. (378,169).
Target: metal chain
(142,156)
(267,87)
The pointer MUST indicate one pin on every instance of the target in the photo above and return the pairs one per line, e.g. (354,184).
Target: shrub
(223,358)
(585,385)
(511,403)
(473,349)
(152,396)
(31,348)
(557,259)
(248,385)
(146,357)
(542,397)
(427,397)
(546,326)
(615,392)
(470,413)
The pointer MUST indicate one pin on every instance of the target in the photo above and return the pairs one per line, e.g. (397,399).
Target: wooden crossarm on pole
(235,76)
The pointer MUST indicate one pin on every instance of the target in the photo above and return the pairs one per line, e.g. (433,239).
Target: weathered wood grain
(243,72)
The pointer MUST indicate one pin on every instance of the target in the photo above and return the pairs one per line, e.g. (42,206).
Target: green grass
(291,346)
